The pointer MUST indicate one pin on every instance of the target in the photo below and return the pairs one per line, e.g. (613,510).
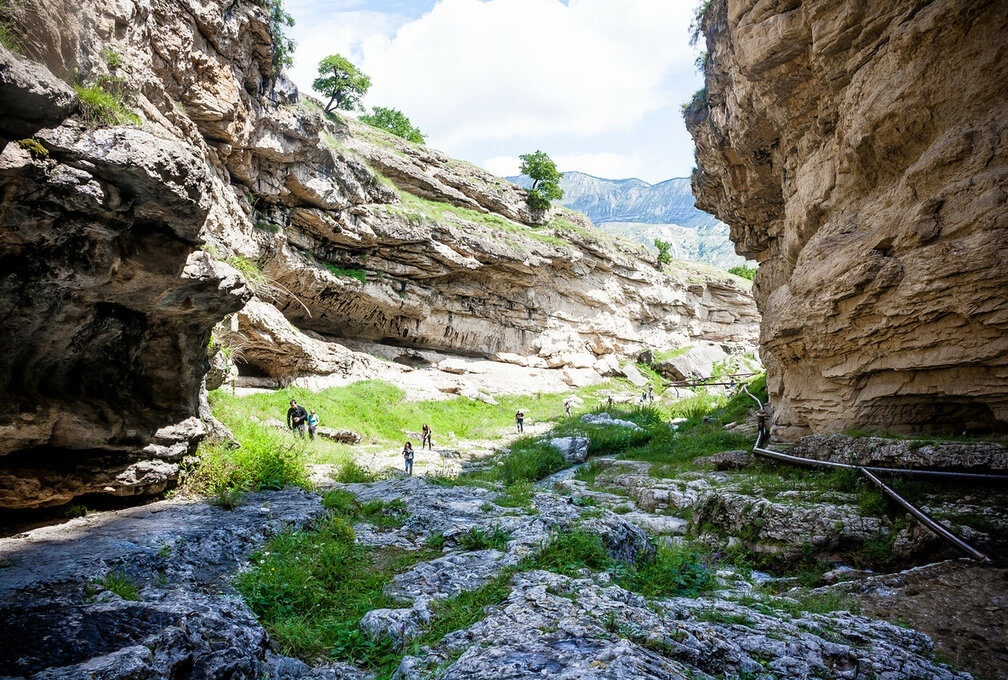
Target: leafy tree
(341,82)
(545,179)
(394,121)
(743,271)
(664,251)
(283,46)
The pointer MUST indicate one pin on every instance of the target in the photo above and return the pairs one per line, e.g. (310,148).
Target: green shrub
(227,499)
(100,108)
(483,538)
(267,460)
(568,552)
(394,121)
(352,472)
(531,459)
(664,251)
(75,510)
(34,147)
(120,584)
(677,571)
(744,272)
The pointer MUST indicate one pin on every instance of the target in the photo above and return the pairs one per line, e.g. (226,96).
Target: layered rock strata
(184,175)
(857,151)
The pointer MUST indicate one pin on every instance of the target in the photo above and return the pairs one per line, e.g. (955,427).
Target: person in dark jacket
(297,418)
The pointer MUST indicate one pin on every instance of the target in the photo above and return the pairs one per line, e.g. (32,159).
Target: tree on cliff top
(283,46)
(545,179)
(342,82)
(394,121)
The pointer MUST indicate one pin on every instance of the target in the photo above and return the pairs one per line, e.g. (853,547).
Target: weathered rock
(871,192)
(901,453)
(607,420)
(574,449)
(134,303)
(188,621)
(582,628)
(31,98)
(727,460)
(697,361)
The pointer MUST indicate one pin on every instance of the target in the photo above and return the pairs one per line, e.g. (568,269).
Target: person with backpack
(312,424)
(426,437)
(520,421)
(407,454)
(297,418)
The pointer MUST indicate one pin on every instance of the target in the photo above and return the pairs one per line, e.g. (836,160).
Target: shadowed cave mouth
(48,467)
(937,416)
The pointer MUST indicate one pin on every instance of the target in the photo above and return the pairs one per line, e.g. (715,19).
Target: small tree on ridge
(342,82)
(394,121)
(545,179)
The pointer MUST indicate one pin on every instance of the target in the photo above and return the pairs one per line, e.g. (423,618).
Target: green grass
(311,588)
(483,538)
(268,459)
(516,495)
(672,354)
(379,411)
(120,584)
(422,210)
(335,270)
(676,571)
(101,109)
(568,552)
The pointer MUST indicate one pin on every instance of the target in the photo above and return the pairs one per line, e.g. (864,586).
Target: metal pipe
(934,526)
(931,524)
(907,472)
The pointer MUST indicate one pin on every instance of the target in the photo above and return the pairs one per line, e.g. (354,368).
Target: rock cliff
(183,176)
(857,151)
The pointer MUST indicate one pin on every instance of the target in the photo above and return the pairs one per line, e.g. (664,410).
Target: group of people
(426,440)
(299,420)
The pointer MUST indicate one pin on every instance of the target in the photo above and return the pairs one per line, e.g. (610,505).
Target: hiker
(650,394)
(296,417)
(425,435)
(567,406)
(610,401)
(407,454)
(312,424)
(520,421)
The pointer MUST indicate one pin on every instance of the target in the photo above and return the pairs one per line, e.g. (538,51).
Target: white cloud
(490,79)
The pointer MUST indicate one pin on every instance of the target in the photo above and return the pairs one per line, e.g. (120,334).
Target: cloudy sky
(596,84)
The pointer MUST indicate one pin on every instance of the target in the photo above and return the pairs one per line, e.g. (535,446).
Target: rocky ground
(60,618)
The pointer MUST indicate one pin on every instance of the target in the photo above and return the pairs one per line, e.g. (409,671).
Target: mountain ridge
(642,211)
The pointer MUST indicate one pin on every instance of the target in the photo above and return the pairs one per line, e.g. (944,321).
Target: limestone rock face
(125,243)
(857,151)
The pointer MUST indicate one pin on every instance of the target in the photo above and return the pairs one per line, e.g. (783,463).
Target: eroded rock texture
(857,150)
(340,231)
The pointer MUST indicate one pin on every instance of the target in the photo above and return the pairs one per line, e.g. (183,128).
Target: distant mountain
(643,212)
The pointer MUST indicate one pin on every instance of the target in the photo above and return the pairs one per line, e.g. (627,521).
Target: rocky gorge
(182,180)
(207,226)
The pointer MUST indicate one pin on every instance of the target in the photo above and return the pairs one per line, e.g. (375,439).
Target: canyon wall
(183,181)
(859,151)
